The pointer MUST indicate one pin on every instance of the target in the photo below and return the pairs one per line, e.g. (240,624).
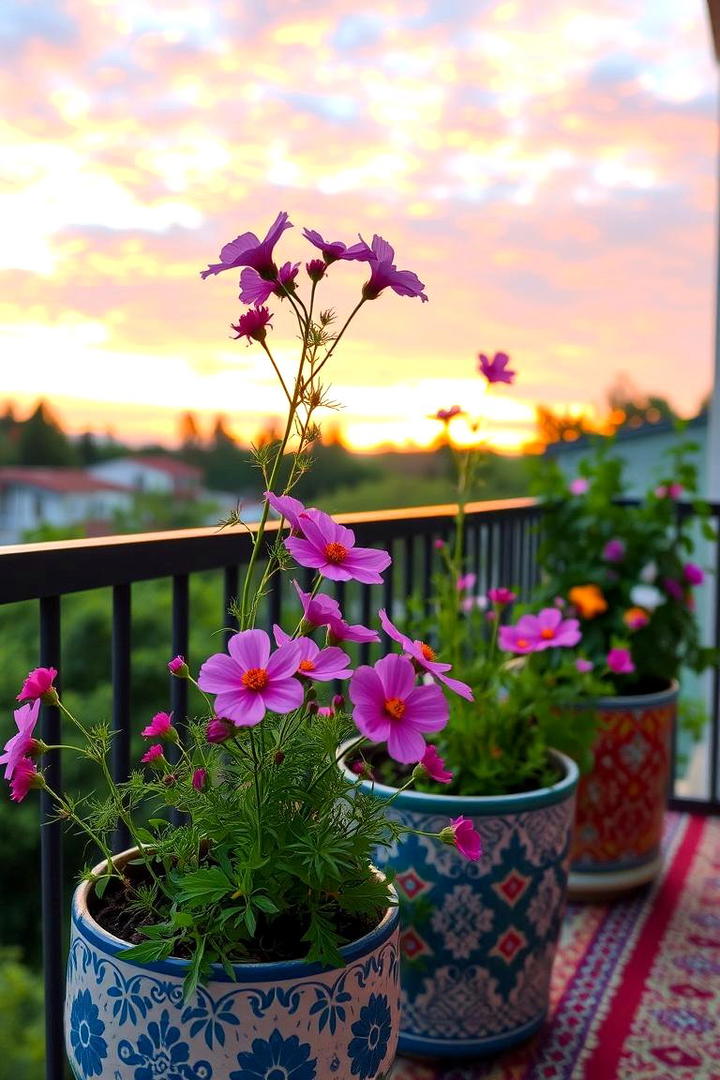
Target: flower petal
(283,695)
(250,648)
(219,673)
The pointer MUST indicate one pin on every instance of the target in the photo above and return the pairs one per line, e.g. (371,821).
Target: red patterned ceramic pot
(621,802)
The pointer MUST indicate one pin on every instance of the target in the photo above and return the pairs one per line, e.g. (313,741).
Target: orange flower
(588,599)
(635,618)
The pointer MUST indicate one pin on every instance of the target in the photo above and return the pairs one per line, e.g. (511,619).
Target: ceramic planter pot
(290,1021)
(478,939)
(621,802)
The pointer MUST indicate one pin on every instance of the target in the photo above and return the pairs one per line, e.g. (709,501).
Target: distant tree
(189,431)
(42,441)
(555,426)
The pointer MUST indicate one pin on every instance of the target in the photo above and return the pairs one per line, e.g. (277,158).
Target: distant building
(33,497)
(158,474)
(642,449)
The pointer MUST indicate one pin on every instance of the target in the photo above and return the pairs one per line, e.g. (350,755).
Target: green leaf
(198,967)
(250,920)
(182,919)
(145,836)
(149,952)
(101,885)
(204,886)
(264,903)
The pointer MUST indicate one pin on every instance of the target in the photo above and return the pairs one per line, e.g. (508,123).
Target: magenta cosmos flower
(579,486)
(583,666)
(673,588)
(521,638)
(23,744)
(247,250)
(178,667)
(25,776)
(496,370)
(153,753)
(384,274)
(465,581)
(446,415)
(390,708)
(460,833)
(501,597)
(250,681)
(614,550)
(335,249)
(321,665)
(434,766)
(424,657)
(252,324)
(620,662)
(330,549)
(39,683)
(219,730)
(555,632)
(160,727)
(693,574)
(322,610)
(255,289)
(291,509)
(199,779)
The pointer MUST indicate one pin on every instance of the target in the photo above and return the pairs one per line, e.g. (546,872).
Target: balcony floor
(636,984)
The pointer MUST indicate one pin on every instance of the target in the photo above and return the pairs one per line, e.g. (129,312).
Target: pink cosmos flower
(384,274)
(178,666)
(465,581)
(522,638)
(501,597)
(693,574)
(255,289)
(434,766)
(247,250)
(579,486)
(583,666)
(335,249)
(390,707)
(669,491)
(438,544)
(252,324)
(330,549)
(39,683)
(23,744)
(673,588)
(620,662)
(199,779)
(160,727)
(338,701)
(461,834)
(316,269)
(614,551)
(321,665)
(25,776)
(556,632)
(153,753)
(250,681)
(322,610)
(290,508)
(496,370)
(446,415)
(326,710)
(424,657)
(219,730)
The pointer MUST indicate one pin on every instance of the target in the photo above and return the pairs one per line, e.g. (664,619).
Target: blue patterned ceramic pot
(478,939)
(284,1021)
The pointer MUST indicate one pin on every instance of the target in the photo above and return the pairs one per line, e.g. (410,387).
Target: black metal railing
(502,540)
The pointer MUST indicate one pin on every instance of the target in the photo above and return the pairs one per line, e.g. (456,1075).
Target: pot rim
(475,805)
(93,933)
(638,701)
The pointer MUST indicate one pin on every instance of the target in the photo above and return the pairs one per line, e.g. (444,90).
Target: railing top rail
(30,571)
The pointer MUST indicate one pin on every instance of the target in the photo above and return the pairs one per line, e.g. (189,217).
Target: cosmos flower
(160,727)
(555,632)
(322,610)
(199,779)
(522,638)
(153,753)
(583,666)
(496,370)
(249,681)
(384,274)
(424,657)
(501,597)
(247,250)
(23,744)
(38,684)
(693,574)
(219,730)
(25,777)
(620,662)
(461,833)
(335,249)
(330,549)
(434,766)
(255,289)
(614,550)
(252,324)
(315,269)
(446,415)
(178,667)
(390,708)
(635,618)
(321,665)
(579,486)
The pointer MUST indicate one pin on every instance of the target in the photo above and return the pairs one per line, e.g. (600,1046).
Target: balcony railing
(502,542)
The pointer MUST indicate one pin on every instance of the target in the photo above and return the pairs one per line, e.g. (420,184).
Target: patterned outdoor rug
(636,984)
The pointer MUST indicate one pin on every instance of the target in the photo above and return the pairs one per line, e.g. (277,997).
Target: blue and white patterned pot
(478,939)
(285,1021)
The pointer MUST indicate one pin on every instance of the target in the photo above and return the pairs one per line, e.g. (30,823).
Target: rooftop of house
(61,480)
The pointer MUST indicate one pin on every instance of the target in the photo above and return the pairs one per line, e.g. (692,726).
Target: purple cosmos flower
(160,727)
(460,833)
(424,657)
(199,779)
(219,730)
(693,574)
(178,667)
(316,269)
(255,289)
(247,250)
(23,744)
(434,766)
(614,550)
(496,370)
(620,662)
(446,415)
(384,274)
(25,776)
(579,486)
(290,508)
(439,544)
(501,597)
(334,250)
(583,666)
(555,632)
(153,753)
(673,588)
(323,610)
(465,581)
(250,681)
(38,684)
(390,707)
(252,324)
(330,549)
(321,665)
(521,638)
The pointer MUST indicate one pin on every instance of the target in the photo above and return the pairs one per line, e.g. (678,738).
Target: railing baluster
(428,553)
(51,854)
(179,687)
(231,589)
(120,749)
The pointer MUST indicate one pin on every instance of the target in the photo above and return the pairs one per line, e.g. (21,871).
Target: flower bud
(178,667)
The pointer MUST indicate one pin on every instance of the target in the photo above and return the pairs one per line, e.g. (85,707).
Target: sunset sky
(547,169)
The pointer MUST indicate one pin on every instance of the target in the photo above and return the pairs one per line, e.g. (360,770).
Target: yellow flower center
(255,678)
(427,652)
(336,553)
(395,707)
(522,643)
(306,665)
(547,633)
